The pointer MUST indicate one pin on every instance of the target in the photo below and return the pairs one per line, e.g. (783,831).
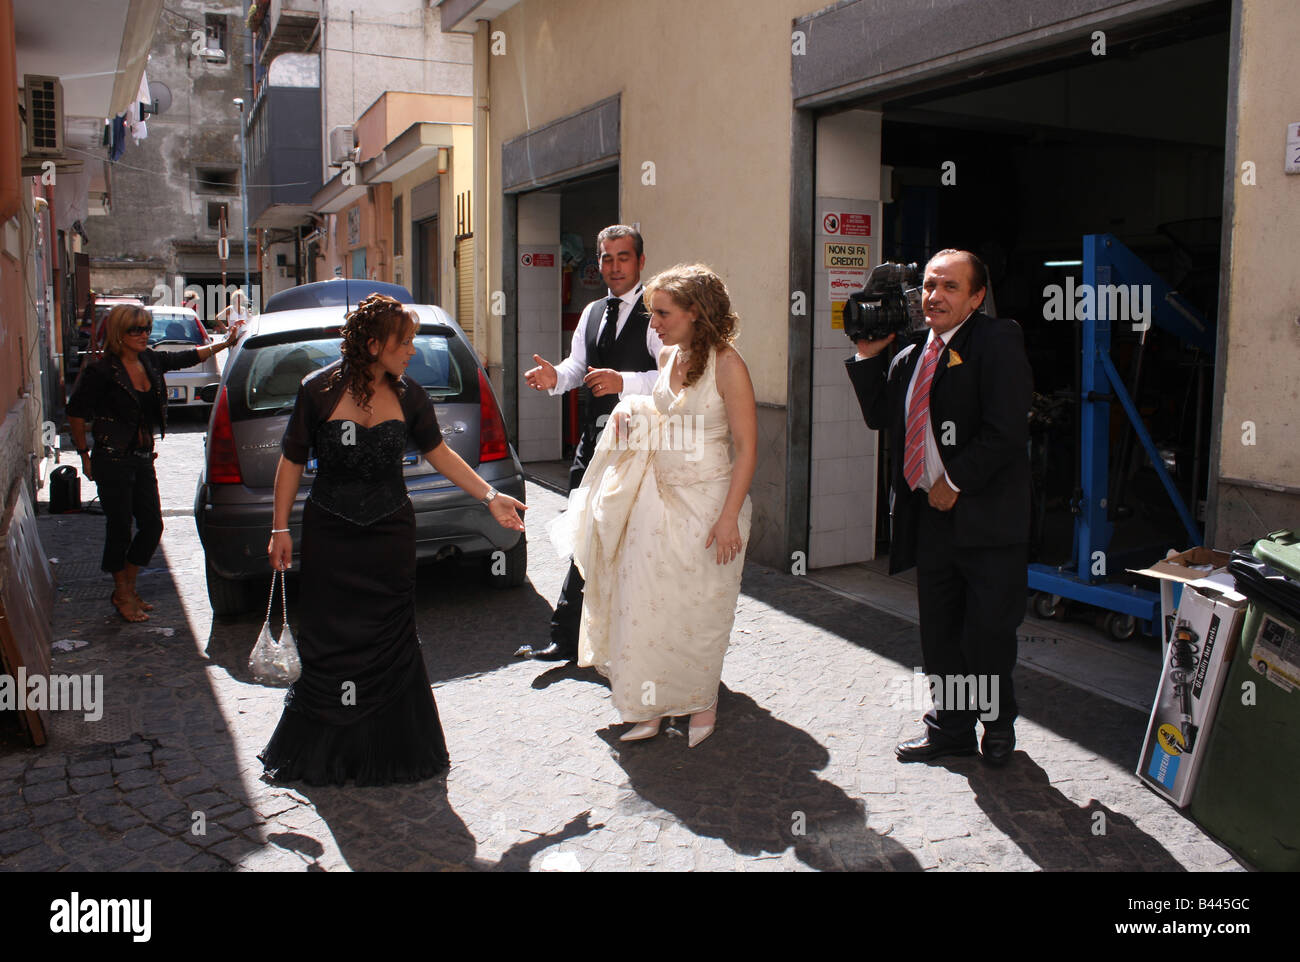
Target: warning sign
(840,284)
(847,256)
(537,260)
(847,225)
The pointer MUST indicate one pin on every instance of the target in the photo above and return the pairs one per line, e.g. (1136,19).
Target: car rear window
(269,376)
(175,329)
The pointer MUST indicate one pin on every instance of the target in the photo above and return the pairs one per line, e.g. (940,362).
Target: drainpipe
(485,335)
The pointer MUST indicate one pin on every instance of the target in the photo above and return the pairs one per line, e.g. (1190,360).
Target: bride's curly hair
(379,317)
(696,288)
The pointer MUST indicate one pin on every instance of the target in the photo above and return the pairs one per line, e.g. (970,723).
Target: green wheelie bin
(1248,792)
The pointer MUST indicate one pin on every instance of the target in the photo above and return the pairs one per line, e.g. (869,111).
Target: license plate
(176,394)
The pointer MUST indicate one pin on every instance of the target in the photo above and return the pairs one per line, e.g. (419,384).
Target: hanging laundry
(135,115)
(118,146)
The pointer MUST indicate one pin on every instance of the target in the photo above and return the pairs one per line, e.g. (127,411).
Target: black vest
(629,353)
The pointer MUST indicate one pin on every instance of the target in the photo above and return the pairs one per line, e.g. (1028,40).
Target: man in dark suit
(614,352)
(956,402)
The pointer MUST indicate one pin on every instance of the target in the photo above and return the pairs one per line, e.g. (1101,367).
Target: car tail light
(223,458)
(492,444)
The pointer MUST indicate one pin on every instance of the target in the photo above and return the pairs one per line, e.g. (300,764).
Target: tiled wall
(843,487)
(538,266)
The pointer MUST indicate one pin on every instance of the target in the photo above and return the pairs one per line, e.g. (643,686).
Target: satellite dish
(161,96)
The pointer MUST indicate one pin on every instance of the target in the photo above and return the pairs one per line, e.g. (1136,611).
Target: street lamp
(243,192)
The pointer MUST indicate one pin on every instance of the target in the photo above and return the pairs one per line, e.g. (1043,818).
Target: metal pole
(243,199)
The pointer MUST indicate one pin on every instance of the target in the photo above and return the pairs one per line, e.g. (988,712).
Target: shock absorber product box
(1204,638)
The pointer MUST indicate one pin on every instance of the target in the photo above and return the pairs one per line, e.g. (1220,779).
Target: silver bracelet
(279,531)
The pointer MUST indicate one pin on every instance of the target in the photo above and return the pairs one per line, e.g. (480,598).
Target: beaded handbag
(276,662)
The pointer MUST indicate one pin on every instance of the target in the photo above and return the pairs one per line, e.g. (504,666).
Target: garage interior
(576,210)
(1128,143)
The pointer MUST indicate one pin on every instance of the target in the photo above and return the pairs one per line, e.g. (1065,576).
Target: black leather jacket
(104,396)
(321,392)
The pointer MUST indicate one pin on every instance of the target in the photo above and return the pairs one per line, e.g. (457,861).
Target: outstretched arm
(452,466)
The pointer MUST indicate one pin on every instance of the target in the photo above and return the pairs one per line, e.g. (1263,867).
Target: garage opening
(1129,142)
(558,277)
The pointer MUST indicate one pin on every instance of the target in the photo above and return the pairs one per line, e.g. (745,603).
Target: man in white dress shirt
(614,352)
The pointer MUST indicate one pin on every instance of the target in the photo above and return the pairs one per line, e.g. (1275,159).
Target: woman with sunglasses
(124,395)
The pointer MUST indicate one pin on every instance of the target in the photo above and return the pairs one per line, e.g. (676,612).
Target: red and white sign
(844,283)
(538,259)
(847,225)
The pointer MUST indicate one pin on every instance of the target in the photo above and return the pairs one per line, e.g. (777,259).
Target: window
(216,180)
(215,32)
(216,212)
(397,226)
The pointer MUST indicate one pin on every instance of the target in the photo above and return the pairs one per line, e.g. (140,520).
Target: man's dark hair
(622,230)
(979,273)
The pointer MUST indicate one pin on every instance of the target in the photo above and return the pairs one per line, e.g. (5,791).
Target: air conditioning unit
(342,145)
(43,99)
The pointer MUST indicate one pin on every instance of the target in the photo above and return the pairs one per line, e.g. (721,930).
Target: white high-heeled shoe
(641,731)
(697,733)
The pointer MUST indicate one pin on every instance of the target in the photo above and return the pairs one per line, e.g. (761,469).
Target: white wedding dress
(658,608)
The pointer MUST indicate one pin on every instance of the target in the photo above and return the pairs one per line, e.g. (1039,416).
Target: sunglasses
(138,330)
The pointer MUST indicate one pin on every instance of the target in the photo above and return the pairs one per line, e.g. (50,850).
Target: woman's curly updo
(378,317)
(696,288)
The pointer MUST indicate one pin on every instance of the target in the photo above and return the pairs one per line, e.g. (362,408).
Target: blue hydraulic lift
(1107,262)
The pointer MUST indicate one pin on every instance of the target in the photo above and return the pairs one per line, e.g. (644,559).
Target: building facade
(177,191)
(792,147)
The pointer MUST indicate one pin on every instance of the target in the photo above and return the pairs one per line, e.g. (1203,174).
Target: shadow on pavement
(1098,725)
(155,783)
(1058,834)
(421,832)
(466,627)
(753,784)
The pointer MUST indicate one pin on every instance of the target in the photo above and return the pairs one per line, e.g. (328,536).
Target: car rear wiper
(174,341)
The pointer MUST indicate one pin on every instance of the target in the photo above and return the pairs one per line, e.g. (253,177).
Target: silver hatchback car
(253,402)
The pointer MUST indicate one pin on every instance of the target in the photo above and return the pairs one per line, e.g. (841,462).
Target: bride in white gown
(660,524)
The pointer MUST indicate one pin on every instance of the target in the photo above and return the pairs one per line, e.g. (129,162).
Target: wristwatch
(486,500)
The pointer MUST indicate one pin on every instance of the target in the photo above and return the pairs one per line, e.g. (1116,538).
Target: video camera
(889,304)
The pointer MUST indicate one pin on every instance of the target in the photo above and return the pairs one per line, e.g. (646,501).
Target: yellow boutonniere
(953,358)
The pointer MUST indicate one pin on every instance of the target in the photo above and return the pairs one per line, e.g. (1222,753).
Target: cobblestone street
(799,775)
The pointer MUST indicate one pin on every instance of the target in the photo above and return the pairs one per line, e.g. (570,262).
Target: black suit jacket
(979,403)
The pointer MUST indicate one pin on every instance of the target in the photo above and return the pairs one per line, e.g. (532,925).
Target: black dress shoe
(997,746)
(928,746)
(552,652)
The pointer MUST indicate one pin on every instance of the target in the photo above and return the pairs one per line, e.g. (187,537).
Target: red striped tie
(918,418)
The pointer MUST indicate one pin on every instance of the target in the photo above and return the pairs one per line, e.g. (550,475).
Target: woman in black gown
(363,708)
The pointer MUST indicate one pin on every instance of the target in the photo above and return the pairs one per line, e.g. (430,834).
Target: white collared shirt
(934,468)
(570,372)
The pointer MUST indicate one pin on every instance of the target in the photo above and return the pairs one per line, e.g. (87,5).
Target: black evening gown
(363,708)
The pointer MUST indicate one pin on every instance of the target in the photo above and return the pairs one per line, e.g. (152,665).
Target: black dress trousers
(972,600)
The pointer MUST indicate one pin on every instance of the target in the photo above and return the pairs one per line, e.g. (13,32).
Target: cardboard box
(1208,626)
(1178,568)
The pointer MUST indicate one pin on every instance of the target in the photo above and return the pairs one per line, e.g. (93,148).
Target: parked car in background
(90,332)
(179,329)
(253,402)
